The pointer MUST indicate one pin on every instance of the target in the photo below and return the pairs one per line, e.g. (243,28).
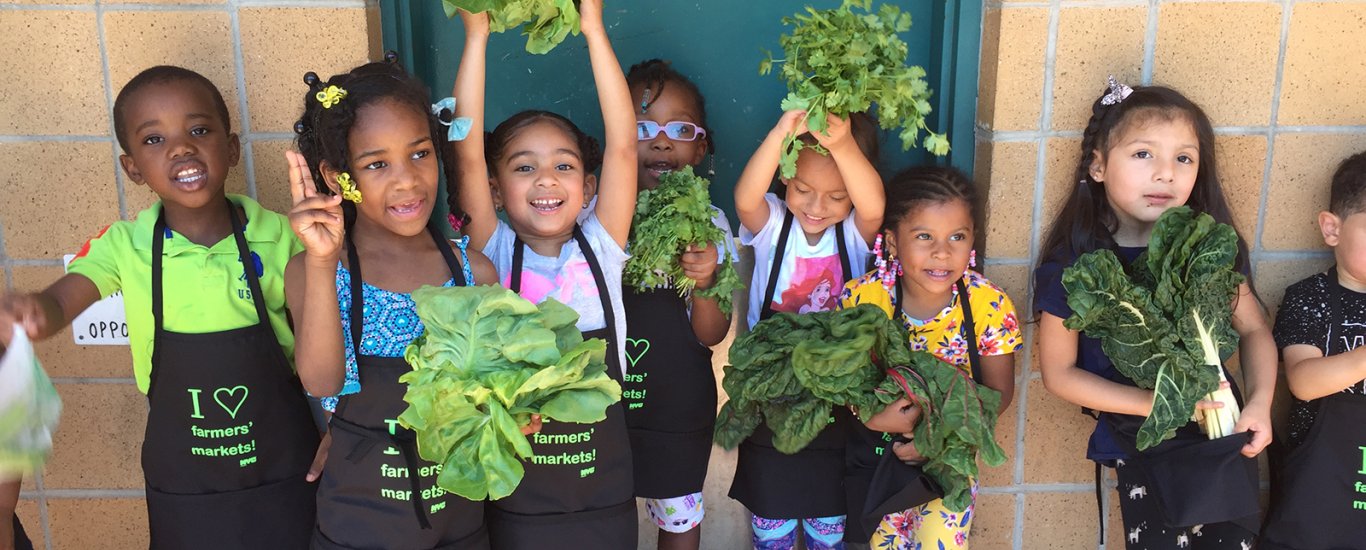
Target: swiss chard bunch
(486,362)
(957,421)
(840,61)
(792,368)
(1166,322)
(548,22)
(668,218)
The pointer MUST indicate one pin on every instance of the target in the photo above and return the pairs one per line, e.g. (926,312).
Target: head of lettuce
(487,360)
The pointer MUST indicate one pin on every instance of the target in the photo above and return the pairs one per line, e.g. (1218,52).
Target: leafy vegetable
(792,368)
(668,218)
(841,62)
(1166,324)
(958,419)
(486,362)
(547,22)
(29,409)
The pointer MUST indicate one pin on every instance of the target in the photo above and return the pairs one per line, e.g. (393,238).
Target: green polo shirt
(204,288)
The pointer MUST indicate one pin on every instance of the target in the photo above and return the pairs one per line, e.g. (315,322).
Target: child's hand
(316,218)
(900,416)
(24,309)
(590,17)
(476,24)
(1206,404)
(836,135)
(1256,419)
(534,426)
(906,452)
(699,264)
(792,122)
(320,458)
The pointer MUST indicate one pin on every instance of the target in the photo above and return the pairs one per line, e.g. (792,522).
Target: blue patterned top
(391,322)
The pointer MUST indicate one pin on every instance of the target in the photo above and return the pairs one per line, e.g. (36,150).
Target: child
(837,202)
(671,423)
(12,534)
(540,167)
(1145,150)
(229,433)
(926,278)
(368,137)
(1319,330)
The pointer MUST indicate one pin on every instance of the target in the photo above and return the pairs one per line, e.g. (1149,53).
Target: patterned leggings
(1144,528)
(781,534)
(928,526)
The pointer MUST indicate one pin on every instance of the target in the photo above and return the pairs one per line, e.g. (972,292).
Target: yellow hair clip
(330,96)
(348,188)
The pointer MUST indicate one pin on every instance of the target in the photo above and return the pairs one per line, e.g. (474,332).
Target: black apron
(21,540)
(670,395)
(872,467)
(810,483)
(368,496)
(229,433)
(577,491)
(1323,487)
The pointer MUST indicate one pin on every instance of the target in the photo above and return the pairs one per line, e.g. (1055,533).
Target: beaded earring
(888,267)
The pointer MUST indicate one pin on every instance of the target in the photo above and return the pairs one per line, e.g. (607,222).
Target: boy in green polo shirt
(202,276)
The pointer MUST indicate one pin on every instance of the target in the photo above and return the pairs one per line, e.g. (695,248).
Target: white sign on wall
(103,323)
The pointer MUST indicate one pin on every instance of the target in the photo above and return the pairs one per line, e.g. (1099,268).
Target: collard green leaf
(485,362)
(1166,324)
(846,60)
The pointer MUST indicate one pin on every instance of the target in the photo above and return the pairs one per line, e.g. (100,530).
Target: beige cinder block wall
(1279,79)
(64,62)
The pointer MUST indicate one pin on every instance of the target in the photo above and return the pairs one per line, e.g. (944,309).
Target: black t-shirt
(1305,318)
(1050,297)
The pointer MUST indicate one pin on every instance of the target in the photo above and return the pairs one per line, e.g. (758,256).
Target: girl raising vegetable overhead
(832,210)
(1145,151)
(670,387)
(925,279)
(538,167)
(364,189)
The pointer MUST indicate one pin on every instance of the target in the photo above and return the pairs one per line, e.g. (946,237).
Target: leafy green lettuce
(486,362)
(840,61)
(1166,323)
(548,22)
(668,218)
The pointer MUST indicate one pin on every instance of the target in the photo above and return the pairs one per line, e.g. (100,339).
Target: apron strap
(1100,507)
(974,355)
(845,263)
(608,314)
(159,235)
(777,265)
(357,324)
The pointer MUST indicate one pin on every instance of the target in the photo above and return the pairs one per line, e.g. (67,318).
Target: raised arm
(758,174)
(617,187)
(476,197)
(860,177)
(310,283)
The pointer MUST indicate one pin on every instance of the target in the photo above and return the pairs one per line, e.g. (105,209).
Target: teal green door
(719,44)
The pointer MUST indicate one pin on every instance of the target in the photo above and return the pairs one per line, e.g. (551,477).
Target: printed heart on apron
(223,396)
(635,349)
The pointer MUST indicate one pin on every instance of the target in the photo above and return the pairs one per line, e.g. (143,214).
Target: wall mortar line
(1287,10)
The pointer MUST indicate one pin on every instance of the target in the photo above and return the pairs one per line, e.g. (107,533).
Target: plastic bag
(29,409)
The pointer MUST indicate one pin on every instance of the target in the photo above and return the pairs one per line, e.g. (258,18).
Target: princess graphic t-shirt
(811,277)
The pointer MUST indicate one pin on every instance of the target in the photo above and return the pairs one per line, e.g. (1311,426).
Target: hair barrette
(330,96)
(457,128)
(645,100)
(1117,93)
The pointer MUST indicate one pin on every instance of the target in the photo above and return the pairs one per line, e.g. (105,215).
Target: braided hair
(1086,221)
(323,132)
(496,141)
(653,76)
(921,185)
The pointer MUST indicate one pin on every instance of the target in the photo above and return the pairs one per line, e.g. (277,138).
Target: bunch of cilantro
(791,369)
(487,360)
(668,218)
(547,22)
(1166,321)
(840,61)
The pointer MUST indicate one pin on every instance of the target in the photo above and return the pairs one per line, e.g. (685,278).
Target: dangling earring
(888,267)
(711,165)
(456,223)
(348,188)
(972,261)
